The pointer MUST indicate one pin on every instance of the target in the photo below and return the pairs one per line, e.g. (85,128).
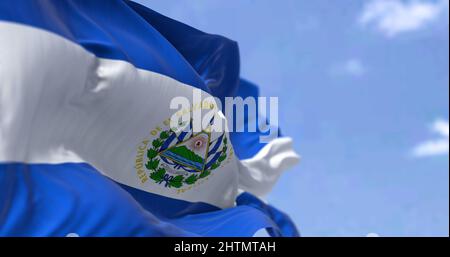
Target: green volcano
(184,152)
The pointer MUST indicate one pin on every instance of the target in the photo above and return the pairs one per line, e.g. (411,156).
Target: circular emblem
(179,160)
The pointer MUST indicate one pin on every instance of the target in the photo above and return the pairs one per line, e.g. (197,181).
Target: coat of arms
(180,159)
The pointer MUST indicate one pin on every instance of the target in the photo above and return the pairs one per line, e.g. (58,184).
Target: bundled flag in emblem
(87,144)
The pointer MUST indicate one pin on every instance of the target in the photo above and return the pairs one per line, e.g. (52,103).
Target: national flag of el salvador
(85,147)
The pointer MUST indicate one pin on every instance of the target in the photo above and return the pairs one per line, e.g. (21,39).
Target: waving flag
(85,144)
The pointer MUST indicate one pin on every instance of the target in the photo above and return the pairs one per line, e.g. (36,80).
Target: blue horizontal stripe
(55,200)
(58,199)
(214,58)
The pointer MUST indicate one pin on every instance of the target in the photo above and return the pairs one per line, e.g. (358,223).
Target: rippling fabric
(58,199)
(73,198)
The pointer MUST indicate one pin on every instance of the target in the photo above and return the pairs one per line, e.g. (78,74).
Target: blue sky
(364,91)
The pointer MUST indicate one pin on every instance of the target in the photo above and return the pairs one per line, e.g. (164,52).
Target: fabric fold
(259,174)
(85,144)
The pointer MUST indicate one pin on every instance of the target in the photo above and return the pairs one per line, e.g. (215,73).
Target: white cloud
(439,146)
(353,67)
(393,17)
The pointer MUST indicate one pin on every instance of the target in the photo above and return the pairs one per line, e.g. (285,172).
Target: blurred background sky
(364,91)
